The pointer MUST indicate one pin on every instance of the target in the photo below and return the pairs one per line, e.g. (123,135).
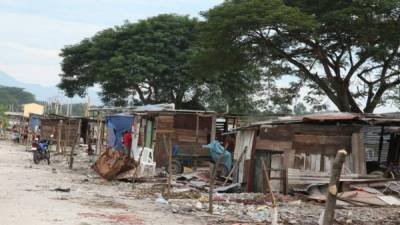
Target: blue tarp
(117,125)
(34,122)
(216,149)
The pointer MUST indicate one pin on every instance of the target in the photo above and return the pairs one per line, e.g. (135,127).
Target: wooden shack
(50,128)
(15,119)
(68,128)
(184,128)
(300,150)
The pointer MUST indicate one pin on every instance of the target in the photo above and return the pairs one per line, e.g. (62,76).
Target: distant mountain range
(44,93)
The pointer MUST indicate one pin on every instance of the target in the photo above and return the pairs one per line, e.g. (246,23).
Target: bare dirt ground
(28,196)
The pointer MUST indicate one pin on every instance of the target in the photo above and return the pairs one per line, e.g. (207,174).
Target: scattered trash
(368,189)
(390,200)
(199,206)
(197,184)
(185,176)
(62,189)
(229,188)
(161,200)
(218,197)
(393,187)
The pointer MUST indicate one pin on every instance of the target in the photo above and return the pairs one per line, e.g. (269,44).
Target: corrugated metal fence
(371,137)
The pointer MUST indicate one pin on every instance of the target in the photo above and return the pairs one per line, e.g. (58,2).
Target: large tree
(346,50)
(145,62)
(233,91)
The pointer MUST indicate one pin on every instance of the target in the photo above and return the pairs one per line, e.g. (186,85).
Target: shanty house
(158,128)
(14,119)
(64,130)
(184,130)
(300,150)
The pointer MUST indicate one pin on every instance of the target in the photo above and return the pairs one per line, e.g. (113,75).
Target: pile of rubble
(189,196)
(358,196)
(253,208)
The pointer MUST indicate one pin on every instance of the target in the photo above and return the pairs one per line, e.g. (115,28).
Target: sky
(32,32)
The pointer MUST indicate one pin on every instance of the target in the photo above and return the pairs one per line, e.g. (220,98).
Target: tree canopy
(345,50)
(145,62)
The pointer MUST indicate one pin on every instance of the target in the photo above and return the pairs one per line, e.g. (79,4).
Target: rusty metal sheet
(333,117)
(277,133)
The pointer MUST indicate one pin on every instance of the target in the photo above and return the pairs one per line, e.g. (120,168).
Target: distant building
(33,108)
(14,119)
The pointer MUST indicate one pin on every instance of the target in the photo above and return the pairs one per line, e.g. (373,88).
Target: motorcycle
(41,151)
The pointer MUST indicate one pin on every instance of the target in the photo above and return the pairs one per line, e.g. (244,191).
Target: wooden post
(197,128)
(334,182)
(289,158)
(357,151)
(380,144)
(66,140)
(194,160)
(99,130)
(212,181)
(102,131)
(213,127)
(59,130)
(235,166)
(211,190)
(168,148)
(169,167)
(76,141)
(268,183)
(274,213)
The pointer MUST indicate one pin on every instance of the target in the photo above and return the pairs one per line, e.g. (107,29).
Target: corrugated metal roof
(383,121)
(14,113)
(372,119)
(333,117)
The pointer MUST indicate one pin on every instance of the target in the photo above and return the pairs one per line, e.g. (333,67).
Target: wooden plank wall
(311,146)
(305,138)
(182,130)
(245,140)
(68,134)
(325,139)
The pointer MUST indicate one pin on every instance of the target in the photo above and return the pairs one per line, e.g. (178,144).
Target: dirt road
(28,195)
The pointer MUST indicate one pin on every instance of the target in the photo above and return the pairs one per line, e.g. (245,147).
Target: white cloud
(41,31)
(14,53)
(33,73)
(30,45)
(33,32)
